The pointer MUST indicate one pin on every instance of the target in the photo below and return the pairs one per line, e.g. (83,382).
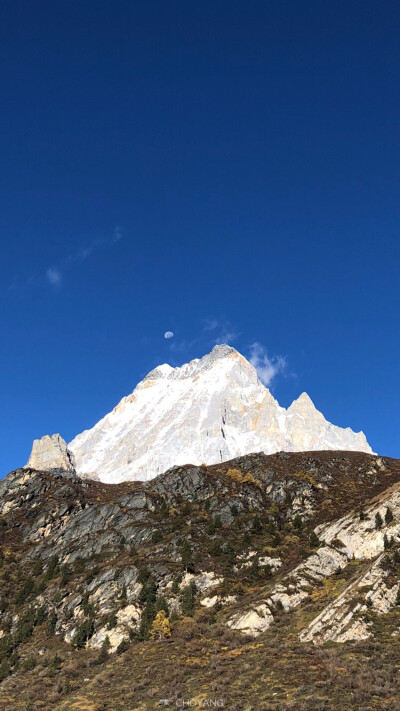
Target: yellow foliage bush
(235,474)
(248,477)
(160,628)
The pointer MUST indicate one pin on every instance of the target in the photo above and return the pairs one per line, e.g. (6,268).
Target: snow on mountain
(209,410)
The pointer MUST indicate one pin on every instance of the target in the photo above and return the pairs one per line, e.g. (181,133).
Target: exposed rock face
(349,538)
(208,411)
(51,452)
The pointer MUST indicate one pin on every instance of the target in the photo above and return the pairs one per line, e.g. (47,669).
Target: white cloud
(117,234)
(168,335)
(54,276)
(267,368)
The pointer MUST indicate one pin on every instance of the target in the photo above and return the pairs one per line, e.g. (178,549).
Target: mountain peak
(303,401)
(222,350)
(210,410)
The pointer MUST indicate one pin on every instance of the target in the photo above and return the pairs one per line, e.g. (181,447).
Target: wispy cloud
(117,235)
(222,330)
(267,367)
(54,276)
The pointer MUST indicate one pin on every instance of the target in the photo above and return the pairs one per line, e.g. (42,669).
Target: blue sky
(224,170)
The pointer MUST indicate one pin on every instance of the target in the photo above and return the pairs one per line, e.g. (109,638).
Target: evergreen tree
(378,521)
(257,526)
(162,605)
(103,656)
(187,556)
(188,599)
(389,516)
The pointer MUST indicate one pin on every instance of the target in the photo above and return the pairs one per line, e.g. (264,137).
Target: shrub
(249,479)
(378,521)
(29,664)
(215,549)
(157,536)
(235,474)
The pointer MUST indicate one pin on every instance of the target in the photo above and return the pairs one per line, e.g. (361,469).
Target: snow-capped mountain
(209,410)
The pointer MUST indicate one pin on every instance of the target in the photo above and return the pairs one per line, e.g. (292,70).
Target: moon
(168,334)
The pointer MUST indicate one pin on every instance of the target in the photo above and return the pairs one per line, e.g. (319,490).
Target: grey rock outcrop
(51,452)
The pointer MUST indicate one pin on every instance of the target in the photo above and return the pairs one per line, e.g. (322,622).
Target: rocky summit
(208,411)
(267,582)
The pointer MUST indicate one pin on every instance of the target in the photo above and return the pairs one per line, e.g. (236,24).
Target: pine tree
(162,604)
(257,526)
(388,516)
(187,557)
(378,521)
(103,656)
(161,628)
(188,599)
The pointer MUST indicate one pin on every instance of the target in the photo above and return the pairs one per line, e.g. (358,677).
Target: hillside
(274,582)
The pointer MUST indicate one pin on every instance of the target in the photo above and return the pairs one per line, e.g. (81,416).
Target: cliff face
(208,411)
(51,452)
(293,546)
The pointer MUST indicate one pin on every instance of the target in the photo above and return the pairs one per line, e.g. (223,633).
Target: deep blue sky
(179,165)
